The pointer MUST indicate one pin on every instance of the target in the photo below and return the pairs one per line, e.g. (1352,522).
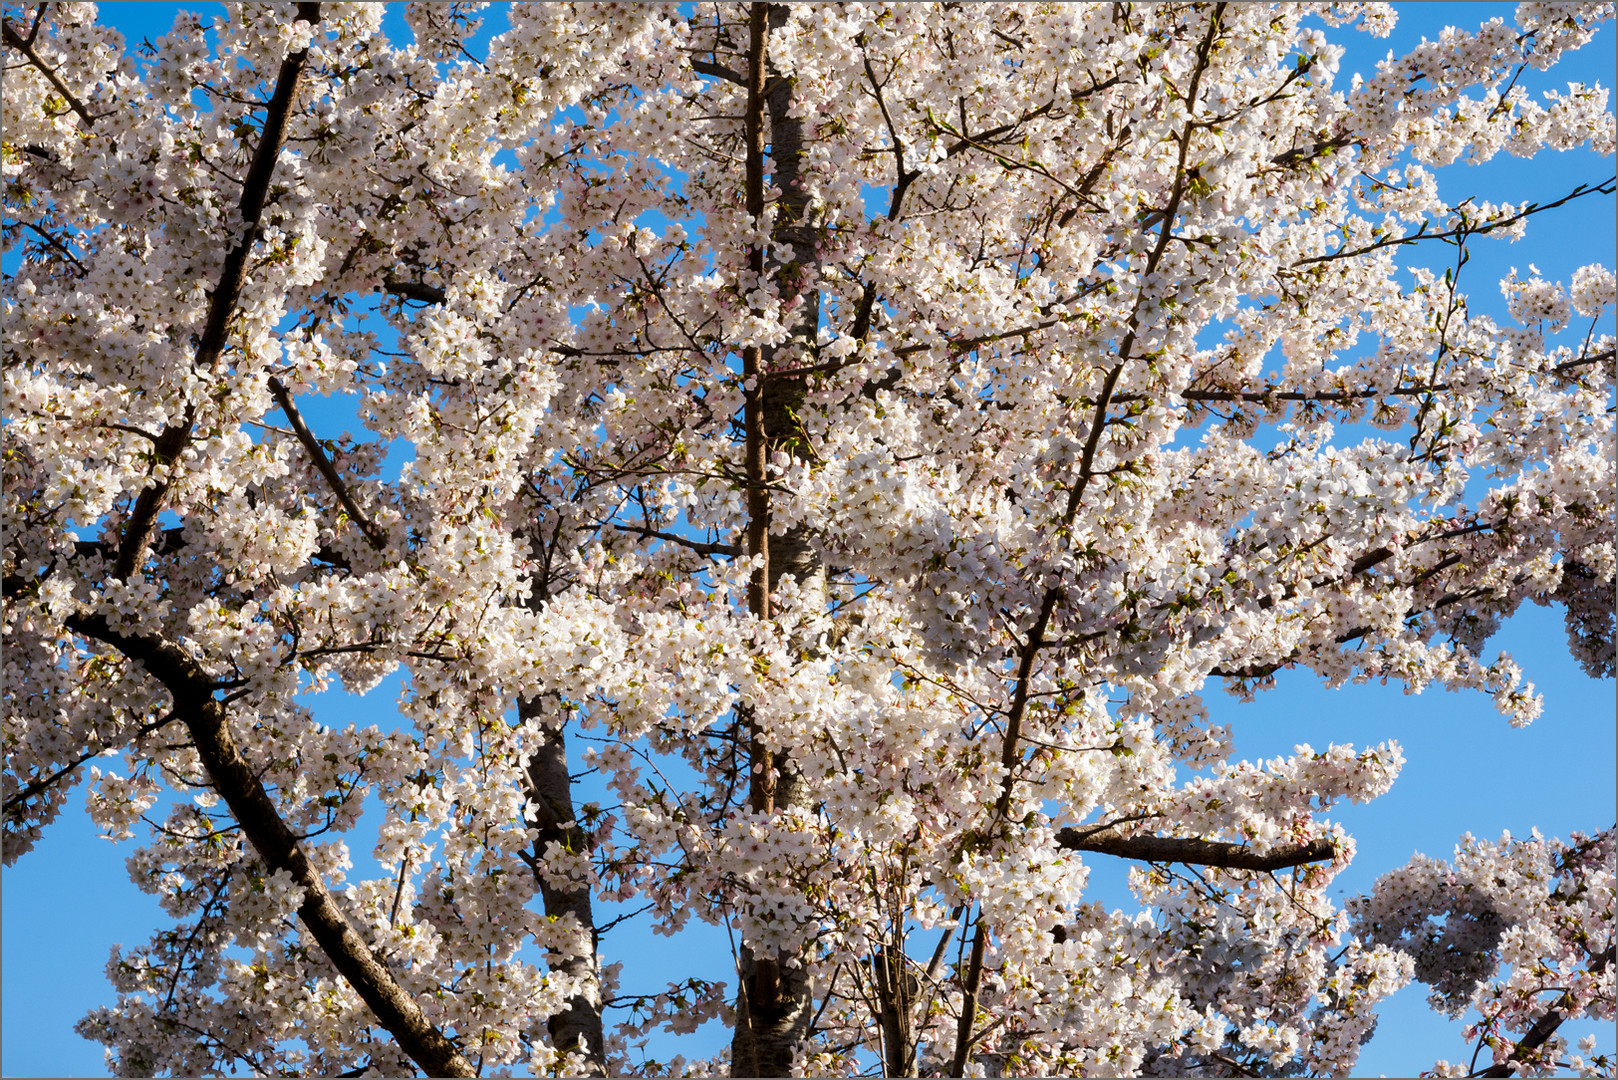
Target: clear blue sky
(69,901)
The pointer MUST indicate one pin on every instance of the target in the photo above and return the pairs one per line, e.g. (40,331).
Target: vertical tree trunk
(577,1029)
(776,996)
(896,991)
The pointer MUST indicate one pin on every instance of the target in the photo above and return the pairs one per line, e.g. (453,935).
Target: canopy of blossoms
(872,427)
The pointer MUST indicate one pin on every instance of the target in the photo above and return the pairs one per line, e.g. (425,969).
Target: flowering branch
(226,294)
(25,45)
(1036,635)
(1605,187)
(1546,1025)
(207,720)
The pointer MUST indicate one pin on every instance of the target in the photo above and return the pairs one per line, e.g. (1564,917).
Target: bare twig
(373,533)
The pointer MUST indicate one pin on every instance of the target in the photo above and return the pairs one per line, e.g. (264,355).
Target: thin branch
(26,47)
(698,546)
(717,71)
(1010,751)
(1273,393)
(903,177)
(1605,187)
(40,785)
(374,534)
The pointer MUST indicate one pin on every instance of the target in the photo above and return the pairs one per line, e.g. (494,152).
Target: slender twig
(698,546)
(1605,187)
(58,245)
(40,785)
(373,534)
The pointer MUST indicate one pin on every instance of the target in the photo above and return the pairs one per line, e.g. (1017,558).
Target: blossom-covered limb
(25,45)
(377,538)
(207,720)
(1546,1025)
(223,301)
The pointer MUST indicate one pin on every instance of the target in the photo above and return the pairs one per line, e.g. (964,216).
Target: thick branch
(758,507)
(1107,840)
(577,1028)
(717,71)
(764,993)
(222,304)
(969,997)
(255,191)
(236,782)
(775,999)
(414,290)
(149,503)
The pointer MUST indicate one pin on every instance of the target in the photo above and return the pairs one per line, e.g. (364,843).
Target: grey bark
(578,1028)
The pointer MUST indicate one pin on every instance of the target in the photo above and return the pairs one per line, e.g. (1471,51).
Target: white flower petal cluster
(1500,928)
(1095,378)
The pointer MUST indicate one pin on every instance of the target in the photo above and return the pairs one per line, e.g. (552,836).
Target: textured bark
(1107,840)
(578,1029)
(897,989)
(234,780)
(775,1003)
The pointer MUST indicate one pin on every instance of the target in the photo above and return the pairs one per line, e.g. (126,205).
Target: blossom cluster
(1092,382)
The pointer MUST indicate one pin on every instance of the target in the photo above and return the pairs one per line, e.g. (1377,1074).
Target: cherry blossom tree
(867,429)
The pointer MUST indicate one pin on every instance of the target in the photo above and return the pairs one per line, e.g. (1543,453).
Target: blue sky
(69,901)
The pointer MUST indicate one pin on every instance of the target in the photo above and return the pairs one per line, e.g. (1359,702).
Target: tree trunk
(896,990)
(577,1030)
(775,1003)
